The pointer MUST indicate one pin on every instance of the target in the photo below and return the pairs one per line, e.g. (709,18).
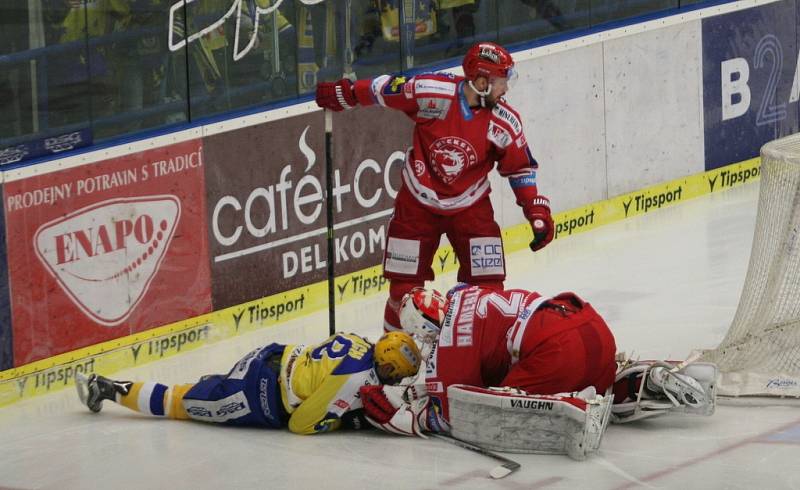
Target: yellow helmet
(396,357)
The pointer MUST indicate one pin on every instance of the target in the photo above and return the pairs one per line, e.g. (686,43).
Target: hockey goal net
(760,354)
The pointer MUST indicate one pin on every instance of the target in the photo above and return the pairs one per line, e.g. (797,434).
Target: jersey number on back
(335,348)
(506,306)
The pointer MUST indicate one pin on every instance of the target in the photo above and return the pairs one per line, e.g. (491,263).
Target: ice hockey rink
(667,282)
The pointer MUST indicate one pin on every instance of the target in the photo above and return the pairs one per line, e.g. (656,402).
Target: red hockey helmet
(487,60)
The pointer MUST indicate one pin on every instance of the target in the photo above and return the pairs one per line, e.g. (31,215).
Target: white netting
(760,355)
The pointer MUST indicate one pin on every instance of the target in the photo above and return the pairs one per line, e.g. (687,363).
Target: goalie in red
(553,355)
(463,127)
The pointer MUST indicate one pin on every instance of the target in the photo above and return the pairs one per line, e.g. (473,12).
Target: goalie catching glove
(400,409)
(336,96)
(537,212)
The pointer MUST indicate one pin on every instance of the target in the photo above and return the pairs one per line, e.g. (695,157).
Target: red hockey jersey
(498,338)
(454,146)
(480,337)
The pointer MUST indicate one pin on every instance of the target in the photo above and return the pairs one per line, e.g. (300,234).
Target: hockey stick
(692,357)
(348,43)
(408,30)
(502,471)
(329,206)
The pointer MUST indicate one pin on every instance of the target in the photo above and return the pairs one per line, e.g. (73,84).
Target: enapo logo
(104,256)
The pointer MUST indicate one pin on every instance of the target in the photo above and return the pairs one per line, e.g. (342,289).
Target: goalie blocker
(510,420)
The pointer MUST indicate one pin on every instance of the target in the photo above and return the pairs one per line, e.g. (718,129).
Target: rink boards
(129,254)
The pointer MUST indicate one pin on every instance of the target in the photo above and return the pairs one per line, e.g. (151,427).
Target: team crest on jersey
(419,168)
(450,157)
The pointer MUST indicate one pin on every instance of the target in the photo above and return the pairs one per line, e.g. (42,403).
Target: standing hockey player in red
(463,126)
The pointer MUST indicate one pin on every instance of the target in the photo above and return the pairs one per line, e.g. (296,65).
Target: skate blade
(82,387)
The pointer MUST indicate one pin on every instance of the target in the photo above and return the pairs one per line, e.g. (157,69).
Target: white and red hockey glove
(396,409)
(336,96)
(537,212)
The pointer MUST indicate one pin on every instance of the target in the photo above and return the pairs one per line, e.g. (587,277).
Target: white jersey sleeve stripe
(377,88)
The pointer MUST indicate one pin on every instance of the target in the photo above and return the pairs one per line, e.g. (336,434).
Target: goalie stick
(509,466)
(624,363)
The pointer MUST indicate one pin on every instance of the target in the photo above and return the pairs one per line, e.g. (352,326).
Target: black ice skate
(92,390)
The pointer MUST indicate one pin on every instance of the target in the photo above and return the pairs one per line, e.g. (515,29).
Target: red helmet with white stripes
(422,312)
(488,60)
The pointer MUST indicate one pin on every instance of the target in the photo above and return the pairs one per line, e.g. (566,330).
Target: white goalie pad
(506,419)
(648,405)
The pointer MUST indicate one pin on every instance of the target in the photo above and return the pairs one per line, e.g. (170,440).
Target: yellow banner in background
(57,372)
(638,203)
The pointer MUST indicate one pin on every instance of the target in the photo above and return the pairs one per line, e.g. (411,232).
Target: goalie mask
(422,312)
(396,357)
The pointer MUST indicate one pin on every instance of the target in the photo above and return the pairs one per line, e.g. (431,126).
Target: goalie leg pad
(506,419)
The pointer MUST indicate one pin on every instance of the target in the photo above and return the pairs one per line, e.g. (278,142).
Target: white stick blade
(500,472)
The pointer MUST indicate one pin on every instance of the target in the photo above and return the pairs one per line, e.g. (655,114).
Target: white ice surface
(667,283)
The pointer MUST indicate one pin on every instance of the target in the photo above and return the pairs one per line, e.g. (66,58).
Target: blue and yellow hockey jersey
(319,383)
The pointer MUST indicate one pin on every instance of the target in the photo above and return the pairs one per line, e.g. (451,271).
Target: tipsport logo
(574,225)
(643,203)
(105,256)
(727,178)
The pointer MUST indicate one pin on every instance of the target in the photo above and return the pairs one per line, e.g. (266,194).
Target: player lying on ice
(553,355)
(307,388)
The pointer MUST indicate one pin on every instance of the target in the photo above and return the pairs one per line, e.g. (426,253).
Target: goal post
(760,354)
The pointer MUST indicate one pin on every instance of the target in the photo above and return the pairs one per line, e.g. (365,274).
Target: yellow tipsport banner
(638,203)
(57,372)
